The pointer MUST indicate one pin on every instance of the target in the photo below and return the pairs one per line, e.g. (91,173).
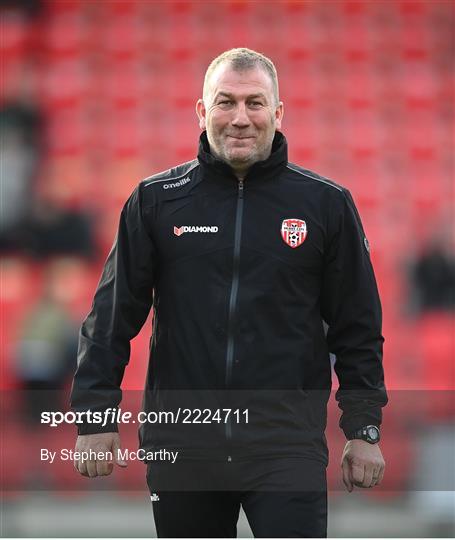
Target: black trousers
(282,498)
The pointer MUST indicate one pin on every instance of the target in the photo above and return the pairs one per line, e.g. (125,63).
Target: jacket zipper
(233,298)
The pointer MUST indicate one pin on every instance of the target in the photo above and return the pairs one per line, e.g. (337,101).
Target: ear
(279,112)
(201,111)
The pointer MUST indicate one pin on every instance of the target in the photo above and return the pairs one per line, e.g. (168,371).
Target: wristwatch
(369,434)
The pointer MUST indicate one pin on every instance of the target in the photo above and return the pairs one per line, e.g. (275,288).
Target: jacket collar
(213,167)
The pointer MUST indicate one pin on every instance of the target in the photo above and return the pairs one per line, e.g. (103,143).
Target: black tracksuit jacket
(239,296)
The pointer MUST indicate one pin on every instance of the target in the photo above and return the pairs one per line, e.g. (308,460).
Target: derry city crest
(293,232)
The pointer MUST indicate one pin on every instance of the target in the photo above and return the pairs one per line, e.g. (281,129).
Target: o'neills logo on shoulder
(181,182)
(178,231)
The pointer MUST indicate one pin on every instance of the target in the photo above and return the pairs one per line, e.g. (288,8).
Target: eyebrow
(252,96)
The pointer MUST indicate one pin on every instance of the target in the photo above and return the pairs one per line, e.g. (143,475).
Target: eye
(225,102)
(256,104)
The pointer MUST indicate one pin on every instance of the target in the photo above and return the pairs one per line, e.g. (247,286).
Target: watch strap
(364,433)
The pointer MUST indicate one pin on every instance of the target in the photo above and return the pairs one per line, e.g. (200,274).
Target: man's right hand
(98,442)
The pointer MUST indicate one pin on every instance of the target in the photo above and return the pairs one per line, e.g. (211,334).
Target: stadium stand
(368,92)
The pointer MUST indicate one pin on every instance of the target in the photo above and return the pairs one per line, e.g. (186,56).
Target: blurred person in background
(51,230)
(432,303)
(46,348)
(20,130)
(30,8)
(243,256)
(432,277)
(33,222)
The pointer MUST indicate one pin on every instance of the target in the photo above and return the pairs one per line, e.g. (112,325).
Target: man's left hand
(362,464)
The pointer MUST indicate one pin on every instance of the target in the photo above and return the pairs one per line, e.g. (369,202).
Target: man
(243,256)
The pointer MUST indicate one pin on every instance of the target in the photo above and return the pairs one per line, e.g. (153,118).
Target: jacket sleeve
(352,309)
(121,305)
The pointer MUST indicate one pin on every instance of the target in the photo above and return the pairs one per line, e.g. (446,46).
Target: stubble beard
(246,161)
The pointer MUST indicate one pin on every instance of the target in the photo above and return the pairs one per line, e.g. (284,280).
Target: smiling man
(244,256)
(240,111)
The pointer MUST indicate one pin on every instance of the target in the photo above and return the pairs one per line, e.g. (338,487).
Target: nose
(241,118)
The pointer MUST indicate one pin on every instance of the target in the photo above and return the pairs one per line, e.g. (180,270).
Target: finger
(104,467)
(81,466)
(375,476)
(91,468)
(380,475)
(357,474)
(346,479)
(120,462)
(368,477)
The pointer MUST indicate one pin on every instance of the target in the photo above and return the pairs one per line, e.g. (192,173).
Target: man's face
(240,115)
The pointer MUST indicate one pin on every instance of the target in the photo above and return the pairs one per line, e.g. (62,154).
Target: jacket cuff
(349,425)
(86,428)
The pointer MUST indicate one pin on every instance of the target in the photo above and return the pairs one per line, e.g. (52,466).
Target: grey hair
(243,59)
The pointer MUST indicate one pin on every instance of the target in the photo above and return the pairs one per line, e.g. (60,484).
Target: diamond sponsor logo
(178,231)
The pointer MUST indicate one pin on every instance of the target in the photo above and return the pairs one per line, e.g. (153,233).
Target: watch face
(372,433)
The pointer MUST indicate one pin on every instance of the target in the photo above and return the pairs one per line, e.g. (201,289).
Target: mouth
(240,138)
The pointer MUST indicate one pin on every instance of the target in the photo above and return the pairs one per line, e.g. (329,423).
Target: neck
(241,170)
(240,173)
